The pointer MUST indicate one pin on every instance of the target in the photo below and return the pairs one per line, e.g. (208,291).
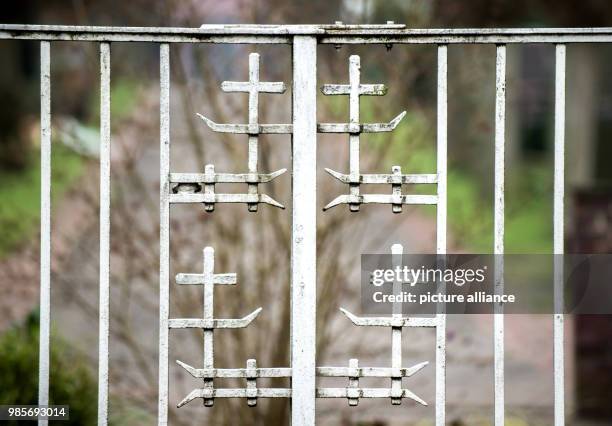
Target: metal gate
(199,187)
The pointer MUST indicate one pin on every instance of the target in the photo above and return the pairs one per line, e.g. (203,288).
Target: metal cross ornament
(189,185)
(396,322)
(354,128)
(208,324)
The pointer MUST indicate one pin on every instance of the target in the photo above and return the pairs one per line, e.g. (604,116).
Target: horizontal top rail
(335,34)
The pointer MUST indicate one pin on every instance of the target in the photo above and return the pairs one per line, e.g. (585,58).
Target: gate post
(304,228)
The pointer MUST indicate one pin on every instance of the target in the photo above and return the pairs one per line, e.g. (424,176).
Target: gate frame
(304,39)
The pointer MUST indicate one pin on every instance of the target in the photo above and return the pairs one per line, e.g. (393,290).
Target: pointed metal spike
(246,320)
(393,123)
(274,175)
(192,395)
(411,395)
(213,126)
(416,368)
(191,370)
(336,201)
(354,318)
(340,176)
(269,200)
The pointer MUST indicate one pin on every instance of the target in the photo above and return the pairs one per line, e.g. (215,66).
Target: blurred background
(256,246)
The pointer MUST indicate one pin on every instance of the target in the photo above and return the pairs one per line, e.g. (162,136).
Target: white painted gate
(199,187)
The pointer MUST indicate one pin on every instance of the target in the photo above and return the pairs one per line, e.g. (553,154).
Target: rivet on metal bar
(396,322)
(253,129)
(354,128)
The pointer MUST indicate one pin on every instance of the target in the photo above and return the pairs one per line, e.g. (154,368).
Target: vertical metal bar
(209,352)
(253,150)
(396,332)
(251,382)
(498,240)
(105,139)
(354,81)
(45,224)
(558,215)
(353,382)
(441,228)
(164,229)
(304,227)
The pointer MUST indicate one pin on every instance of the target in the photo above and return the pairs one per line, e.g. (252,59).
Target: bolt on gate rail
(303,129)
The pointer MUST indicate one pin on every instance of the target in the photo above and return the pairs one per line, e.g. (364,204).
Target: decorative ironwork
(303,39)
(354,128)
(189,185)
(396,322)
(208,324)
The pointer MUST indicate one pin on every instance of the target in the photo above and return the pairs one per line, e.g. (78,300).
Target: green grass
(20,195)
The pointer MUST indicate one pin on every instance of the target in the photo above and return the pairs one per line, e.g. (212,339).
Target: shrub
(71,381)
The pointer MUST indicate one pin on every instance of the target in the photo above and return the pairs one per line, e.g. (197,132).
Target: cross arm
(390,321)
(360,127)
(209,324)
(261,87)
(251,129)
(345,89)
(199,279)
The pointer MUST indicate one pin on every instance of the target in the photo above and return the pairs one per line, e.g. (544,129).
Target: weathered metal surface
(190,184)
(251,373)
(212,199)
(211,177)
(441,148)
(558,235)
(357,128)
(105,147)
(353,394)
(393,178)
(353,370)
(304,231)
(211,324)
(396,331)
(390,321)
(164,230)
(45,225)
(248,129)
(498,232)
(325,34)
(394,199)
(236,373)
(249,394)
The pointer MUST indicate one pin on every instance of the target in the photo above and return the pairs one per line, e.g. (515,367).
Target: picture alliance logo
(423,275)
